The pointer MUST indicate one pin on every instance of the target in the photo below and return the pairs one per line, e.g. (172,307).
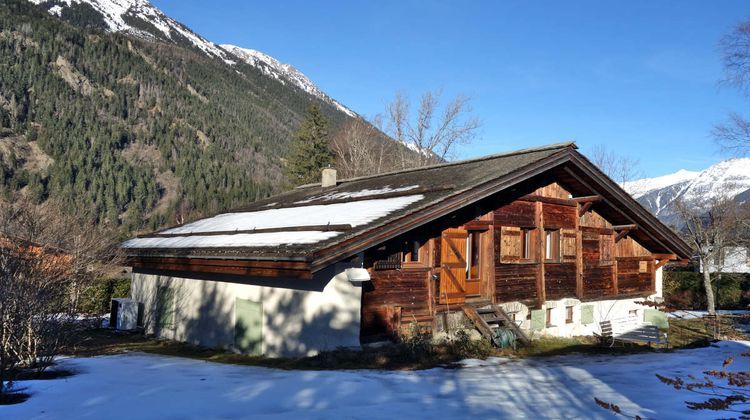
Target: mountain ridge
(133,130)
(730,177)
(142,19)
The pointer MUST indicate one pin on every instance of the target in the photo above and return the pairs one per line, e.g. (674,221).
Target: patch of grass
(558,346)
(699,332)
(416,351)
(407,356)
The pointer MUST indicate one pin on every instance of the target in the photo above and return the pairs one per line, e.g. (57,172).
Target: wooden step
(479,323)
(477,302)
(498,319)
(494,319)
(509,323)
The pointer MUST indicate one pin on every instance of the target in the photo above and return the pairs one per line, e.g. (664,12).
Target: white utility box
(124,314)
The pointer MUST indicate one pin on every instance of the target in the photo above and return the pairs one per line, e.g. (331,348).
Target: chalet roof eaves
(562,145)
(444,206)
(674,241)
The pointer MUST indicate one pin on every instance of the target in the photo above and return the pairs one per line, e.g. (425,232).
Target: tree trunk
(709,290)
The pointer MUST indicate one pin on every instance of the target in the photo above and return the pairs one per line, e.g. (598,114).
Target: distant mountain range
(116,109)
(729,178)
(141,19)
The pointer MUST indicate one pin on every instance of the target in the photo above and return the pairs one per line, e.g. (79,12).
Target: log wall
(592,266)
(395,298)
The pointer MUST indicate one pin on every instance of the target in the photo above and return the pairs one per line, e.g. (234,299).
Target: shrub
(684,290)
(96,298)
(462,346)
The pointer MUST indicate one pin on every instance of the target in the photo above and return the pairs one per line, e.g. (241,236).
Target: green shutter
(538,319)
(248,326)
(587,314)
(164,307)
(656,317)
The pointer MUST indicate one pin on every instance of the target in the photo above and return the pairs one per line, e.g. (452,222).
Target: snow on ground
(145,386)
(689,314)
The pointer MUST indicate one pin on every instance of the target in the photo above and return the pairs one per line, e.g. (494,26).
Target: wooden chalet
(538,237)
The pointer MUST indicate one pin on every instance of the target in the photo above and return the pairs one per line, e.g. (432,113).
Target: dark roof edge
(439,208)
(677,243)
(561,145)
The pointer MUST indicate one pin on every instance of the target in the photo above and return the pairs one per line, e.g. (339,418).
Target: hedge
(96,298)
(684,290)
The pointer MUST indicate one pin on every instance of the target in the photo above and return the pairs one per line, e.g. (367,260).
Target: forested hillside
(139,133)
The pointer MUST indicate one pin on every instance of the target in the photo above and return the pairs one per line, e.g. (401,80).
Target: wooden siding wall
(515,282)
(395,298)
(592,266)
(591,276)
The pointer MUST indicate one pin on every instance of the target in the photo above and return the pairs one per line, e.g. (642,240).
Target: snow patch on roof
(240,239)
(357,194)
(355,213)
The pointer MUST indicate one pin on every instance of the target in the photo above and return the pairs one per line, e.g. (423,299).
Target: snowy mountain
(135,17)
(284,73)
(730,178)
(141,19)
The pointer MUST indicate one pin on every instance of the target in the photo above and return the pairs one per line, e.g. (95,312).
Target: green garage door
(164,308)
(248,326)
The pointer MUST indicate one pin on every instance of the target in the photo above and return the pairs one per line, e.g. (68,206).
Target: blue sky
(641,77)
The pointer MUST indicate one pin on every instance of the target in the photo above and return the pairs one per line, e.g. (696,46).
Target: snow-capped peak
(284,73)
(124,15)
(646,185)
(117,13)
(728,178)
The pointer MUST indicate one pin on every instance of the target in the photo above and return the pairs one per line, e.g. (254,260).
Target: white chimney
(329,178)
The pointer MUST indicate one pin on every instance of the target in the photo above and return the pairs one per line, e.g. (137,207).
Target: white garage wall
(300,317)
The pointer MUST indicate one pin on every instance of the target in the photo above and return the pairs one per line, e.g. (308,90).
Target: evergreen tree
(310,152)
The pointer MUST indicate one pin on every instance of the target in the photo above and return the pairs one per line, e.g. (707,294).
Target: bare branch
(622,169)
(435,133)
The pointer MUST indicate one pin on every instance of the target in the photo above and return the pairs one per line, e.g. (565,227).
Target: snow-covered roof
(316,226)
(237,229)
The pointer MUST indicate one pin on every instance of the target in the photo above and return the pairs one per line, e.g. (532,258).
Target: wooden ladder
(487,320)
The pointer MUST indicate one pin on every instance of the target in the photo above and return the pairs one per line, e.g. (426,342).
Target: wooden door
(453,266)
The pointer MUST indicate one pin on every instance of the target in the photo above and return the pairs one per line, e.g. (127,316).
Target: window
(526,244)
(642,267)
(552,244)
(568,314)
(474,245)
(549,317)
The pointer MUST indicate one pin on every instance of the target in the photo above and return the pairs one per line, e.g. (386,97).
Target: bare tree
(622,169)
(46,259)
(434,132)
(733,135)
(360,149)
(711,223)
